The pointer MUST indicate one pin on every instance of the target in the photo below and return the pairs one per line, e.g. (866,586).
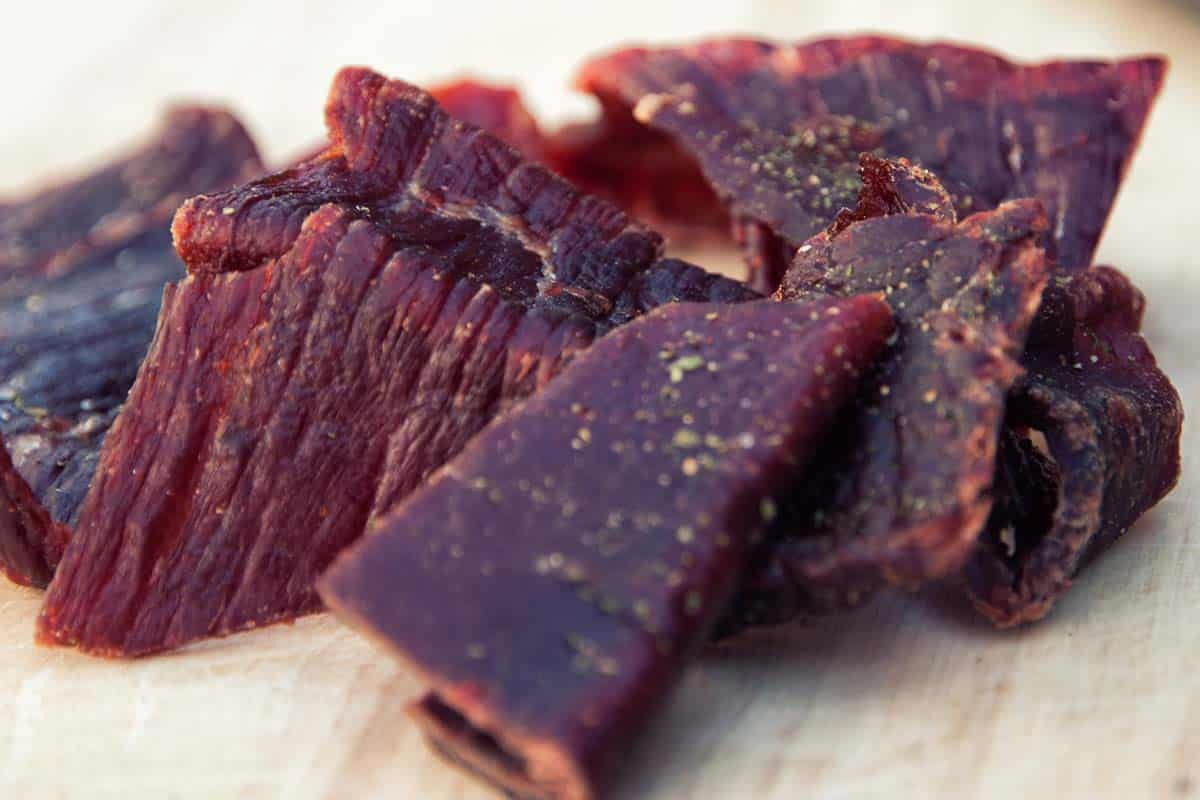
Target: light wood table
(908,698)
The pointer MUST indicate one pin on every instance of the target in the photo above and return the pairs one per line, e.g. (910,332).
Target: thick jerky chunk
(496,109)
(766,124)
(75,324)
(347,326)
(1094,428)
(903,491)
(197,150)
(552,580)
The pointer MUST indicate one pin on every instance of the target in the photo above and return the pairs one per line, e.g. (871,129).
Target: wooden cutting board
(911,697)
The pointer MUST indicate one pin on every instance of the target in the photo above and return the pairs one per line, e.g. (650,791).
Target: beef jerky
(552,580)
(75,324)
(776,129)
(904,487)
(496,109)
(644,172)
(346,327)
(196,150)
(1095,429)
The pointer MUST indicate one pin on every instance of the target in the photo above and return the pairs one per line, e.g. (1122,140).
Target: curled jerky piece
(347,326)
(196,150)
(904,487)
(75,323)
(496,109)
(768,123)
(1094,443)
(552,580)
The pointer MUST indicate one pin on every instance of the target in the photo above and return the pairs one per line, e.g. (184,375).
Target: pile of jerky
(576,460)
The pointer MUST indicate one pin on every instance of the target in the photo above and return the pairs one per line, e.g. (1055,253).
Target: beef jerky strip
(346,327)
(771,126)
(903,491)
(551,581)
(496,109)
(1110,422)
(75,325)
(196,150)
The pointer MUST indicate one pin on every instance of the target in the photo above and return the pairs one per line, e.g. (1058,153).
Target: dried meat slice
(72,335)
(346,327)
(552,580)
(196,150)
(904,488)
(499,111)
(776,129)
(1095,429)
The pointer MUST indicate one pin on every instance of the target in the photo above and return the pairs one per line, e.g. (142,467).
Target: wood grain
(911,697)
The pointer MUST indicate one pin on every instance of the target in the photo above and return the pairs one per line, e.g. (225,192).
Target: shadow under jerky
(903,491)
(75,321)
(1094,442)
(776,129)
(551,581)
(346,327)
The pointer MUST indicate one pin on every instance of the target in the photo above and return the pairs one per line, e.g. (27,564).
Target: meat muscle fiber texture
(346,327)
(904,488)
(551,581)
(82,268)
(777,128)
(498,110)
(1111,423)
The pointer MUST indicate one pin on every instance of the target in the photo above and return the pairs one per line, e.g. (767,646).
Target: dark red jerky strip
(497,110)
(904,487)
(551,581)
(275,408)
(1111,424)
(196,150)
(301,380)
(75,324)
(763,120)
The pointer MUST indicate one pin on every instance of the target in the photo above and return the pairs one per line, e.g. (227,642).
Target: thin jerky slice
(553,579)
(73,334)
(766,123)
(196,150)
(904,487)
(496,109)
(347,326)
(1110,424)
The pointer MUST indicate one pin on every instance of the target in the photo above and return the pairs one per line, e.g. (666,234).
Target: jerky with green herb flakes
(345,328)
(903,491)
(552,580)
(75,322)
(1110,424)
(776,129)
